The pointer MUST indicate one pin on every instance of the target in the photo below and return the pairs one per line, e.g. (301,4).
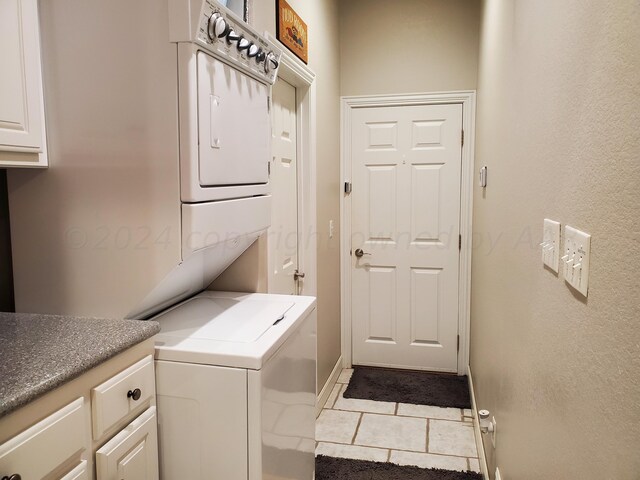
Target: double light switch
(572,258)
(575,258)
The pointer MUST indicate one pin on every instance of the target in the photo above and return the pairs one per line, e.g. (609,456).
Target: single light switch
(551,244)
(577,250)
(483,177)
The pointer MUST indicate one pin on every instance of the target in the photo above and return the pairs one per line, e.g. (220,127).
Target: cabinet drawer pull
(135,394)
(15,476)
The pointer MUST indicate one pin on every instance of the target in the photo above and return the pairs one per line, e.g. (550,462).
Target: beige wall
(408,46)
(557,125)
(321,17)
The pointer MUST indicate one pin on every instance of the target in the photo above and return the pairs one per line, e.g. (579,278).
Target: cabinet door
(78,473)
(133,453)
(47,446)
(21,104)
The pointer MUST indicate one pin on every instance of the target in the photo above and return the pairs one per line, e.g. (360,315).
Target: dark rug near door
(330,468)
(407,386)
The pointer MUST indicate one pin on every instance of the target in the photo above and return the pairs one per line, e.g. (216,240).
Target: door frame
(303,78)
(467,99)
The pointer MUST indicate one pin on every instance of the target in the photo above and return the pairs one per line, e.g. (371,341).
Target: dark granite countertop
(41,352)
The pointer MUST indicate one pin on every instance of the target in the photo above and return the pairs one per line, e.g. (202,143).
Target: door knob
(297,275)
(360,253)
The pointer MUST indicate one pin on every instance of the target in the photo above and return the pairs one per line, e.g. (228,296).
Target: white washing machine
(236,387)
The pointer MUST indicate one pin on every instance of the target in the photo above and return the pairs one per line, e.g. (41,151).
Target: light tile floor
(426,436)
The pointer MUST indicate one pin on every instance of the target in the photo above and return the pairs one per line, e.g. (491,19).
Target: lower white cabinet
(103,426)
(133,453)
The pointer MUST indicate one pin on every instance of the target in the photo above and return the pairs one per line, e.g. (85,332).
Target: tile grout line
(449,455)
(468,465)
(357,428)
(395,412)
(395,415)
(427,443)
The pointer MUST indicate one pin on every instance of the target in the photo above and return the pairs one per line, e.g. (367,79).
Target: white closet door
(283,233)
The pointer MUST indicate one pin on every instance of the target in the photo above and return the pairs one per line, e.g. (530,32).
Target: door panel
(406,167)
(382,298)
(382,202)
(283,234)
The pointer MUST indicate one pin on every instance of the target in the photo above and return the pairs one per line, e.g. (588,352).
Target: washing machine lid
(230,329)
(223,319)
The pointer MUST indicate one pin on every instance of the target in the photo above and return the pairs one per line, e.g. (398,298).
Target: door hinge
(269,168)
(458,344)
(462,138)
(268,104)
(348,187)
(459,242)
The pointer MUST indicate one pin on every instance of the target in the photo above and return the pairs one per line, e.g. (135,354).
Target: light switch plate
(577,252)
(551,244)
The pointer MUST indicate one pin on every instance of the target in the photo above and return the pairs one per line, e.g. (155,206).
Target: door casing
(348,104)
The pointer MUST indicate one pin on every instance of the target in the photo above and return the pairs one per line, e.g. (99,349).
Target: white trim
(468,101)
(323,396)
(482,458)
(302,78)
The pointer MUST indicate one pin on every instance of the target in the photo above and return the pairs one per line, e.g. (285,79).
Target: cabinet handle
(135,394)
(15,476)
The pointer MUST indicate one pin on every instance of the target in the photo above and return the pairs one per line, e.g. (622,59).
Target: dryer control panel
(236,43)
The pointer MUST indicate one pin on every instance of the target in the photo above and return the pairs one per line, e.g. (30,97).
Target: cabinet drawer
(133,453)
(112,401)
(43,448)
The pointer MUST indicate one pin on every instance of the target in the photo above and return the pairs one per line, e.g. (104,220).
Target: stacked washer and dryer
(158,130)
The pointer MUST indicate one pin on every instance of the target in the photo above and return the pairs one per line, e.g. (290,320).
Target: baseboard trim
(482,459)
(328,386)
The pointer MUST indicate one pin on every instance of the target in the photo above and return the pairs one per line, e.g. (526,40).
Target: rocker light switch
(551,244)
(577,250)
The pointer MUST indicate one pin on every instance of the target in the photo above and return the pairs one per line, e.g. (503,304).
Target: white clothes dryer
(236,387)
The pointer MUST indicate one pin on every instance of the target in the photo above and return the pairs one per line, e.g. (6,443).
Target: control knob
(243,44)
(253,51)
(271,62)
(232,36)
(218,26)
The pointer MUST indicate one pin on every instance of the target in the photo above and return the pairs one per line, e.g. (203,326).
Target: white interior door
(406,167)
(283,234)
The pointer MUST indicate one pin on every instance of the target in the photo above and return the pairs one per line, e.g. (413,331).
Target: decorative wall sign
(292,31)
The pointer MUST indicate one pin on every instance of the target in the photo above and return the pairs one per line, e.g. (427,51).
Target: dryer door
(233,125)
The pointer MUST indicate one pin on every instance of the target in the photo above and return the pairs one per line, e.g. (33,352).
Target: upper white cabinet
(22,133)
